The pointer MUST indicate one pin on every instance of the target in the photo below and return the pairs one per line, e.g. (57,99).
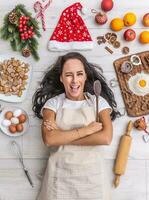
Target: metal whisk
(17,150)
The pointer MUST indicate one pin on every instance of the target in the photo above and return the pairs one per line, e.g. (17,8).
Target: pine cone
(26,52)
(13,18)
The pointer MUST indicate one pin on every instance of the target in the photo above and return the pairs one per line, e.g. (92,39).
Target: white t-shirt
(59,101)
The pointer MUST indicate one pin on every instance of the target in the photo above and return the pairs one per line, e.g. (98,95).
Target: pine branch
(13,45)
(21,7)
(34,23)
(37,33)
(34,42)
(11,32)
(34,52)
(11,28)
(22,45)
(26,13)
(6,20)
(4,33)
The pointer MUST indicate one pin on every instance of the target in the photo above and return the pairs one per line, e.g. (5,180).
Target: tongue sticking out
(74,89)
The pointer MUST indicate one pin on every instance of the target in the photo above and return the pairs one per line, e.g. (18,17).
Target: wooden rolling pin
(122,154)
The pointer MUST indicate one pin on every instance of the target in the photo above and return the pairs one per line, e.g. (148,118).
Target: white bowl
(5,130)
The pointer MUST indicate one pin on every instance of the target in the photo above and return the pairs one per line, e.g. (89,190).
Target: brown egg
(19,127)
(12,129)
(8,115)
(22,118)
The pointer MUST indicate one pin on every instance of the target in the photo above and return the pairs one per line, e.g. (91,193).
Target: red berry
(21,30)
(24,22)
(27,18)
(29,32)
(24,28)
(26,37)
(20,26)
(31,28)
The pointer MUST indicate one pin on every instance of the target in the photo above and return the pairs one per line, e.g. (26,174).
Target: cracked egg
(139,84)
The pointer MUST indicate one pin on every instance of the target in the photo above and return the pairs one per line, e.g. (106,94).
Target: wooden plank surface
(134,184)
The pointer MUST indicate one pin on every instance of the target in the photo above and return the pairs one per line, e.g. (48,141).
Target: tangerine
(144,37)
(117,24)
(129,19)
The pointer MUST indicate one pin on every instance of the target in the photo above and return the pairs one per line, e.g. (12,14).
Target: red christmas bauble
(106,5)
(101,18)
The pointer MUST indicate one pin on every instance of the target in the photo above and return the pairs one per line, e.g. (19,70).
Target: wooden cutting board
(135,105)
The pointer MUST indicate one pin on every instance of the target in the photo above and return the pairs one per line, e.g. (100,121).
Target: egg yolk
(142,83)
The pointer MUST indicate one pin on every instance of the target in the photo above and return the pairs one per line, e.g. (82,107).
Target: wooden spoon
(97,91)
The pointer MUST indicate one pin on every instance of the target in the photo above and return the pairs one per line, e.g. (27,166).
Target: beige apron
(75,172)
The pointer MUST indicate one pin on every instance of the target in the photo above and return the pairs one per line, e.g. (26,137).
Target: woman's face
(73,78)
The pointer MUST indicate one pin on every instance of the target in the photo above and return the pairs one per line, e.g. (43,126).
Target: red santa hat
(70,32)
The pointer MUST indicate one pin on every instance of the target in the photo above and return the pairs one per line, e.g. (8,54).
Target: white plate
(5,129)
(15,98)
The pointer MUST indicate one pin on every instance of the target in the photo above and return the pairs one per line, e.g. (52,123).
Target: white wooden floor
(13,183)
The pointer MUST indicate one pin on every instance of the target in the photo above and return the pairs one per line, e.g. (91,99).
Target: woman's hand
(50,125)
(94,127)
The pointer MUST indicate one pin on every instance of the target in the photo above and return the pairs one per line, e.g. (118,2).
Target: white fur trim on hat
(54,45)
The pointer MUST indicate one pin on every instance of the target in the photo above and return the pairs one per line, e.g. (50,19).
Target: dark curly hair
(51,86)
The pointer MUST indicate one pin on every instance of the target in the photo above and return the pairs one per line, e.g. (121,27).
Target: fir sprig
(10,32)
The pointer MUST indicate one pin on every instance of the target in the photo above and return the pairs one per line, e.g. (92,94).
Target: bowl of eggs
(14,121)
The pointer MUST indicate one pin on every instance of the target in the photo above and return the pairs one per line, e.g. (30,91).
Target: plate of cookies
(15,77)
(14,121)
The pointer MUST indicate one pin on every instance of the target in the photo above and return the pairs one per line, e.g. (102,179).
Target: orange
(144,37)
(129,19)
(117,24)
